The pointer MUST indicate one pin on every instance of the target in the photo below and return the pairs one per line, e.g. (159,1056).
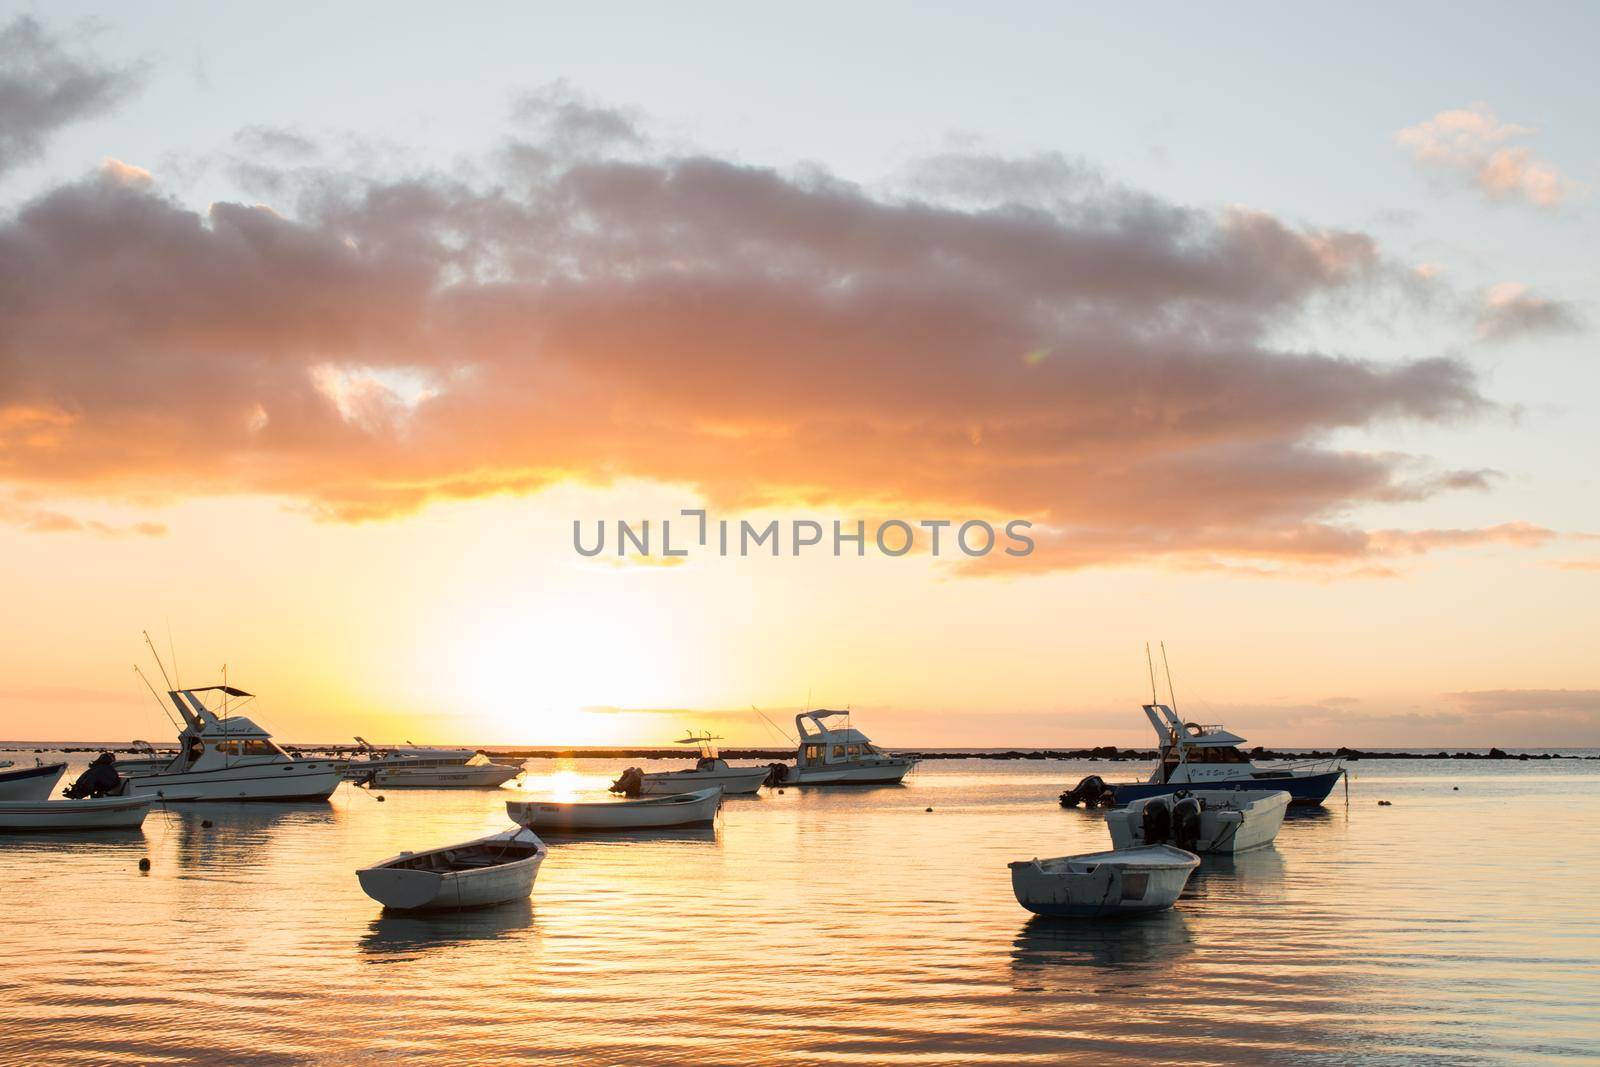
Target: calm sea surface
(823,926)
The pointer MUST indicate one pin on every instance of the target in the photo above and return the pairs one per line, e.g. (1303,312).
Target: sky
(321,328)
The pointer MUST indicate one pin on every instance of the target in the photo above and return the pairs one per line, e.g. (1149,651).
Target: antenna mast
(159,664)
(1151,664)
(1168,668)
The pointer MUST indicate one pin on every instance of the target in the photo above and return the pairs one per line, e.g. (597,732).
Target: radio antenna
(1151,664)
(1168,668)
(159,664)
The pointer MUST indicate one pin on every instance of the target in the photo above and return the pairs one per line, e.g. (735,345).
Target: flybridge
(972,538)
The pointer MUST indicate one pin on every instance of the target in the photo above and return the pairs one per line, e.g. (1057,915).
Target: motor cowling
(1156,823)
(777,774)
(100,780)
(1092,792)
(630,783)
(1186,822)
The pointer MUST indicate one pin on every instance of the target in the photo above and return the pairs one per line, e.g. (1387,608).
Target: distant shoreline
(1106,753)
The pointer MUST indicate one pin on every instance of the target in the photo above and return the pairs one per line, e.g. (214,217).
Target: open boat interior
(470,857)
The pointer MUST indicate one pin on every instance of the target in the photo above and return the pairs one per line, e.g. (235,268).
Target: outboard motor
(100,780)
(777,774)
(1186,822)
(630,783)
(1157,822)
(1092,792)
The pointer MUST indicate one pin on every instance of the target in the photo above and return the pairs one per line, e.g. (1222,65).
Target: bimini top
(820,732)
(233,726)
(1174,731)
(206,722)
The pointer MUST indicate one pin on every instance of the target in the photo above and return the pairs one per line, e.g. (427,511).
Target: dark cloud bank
(1015,337)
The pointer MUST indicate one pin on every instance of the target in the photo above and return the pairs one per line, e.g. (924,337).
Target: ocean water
(1457,926)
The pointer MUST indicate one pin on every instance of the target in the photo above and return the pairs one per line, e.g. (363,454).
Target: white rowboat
(1103,884)
(1212,820)
(698,808)
(491,870)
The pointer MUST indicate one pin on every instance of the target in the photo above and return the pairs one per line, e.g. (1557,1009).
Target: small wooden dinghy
(124,810)
(1103,884)
(698,808)
(496,869)
(1212,820)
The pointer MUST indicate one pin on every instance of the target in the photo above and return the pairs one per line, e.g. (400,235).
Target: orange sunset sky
(318,375)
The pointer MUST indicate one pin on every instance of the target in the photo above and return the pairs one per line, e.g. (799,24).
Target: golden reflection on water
(842,926)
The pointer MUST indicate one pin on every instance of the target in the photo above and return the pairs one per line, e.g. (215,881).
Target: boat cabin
(824,747)
(1192,752)
(215,738)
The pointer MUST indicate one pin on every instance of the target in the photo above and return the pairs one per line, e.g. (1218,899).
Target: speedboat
(436,768)
(225,756)
(839,756)
(497,869)
(698,808)
(1214,820)
(1104,884)
(710,769)
(31,783)
(1196,757)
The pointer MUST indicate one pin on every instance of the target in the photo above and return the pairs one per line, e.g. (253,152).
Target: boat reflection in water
(394,937)
(1043,945)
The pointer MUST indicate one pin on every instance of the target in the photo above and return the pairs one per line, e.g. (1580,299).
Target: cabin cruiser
(1196,757)
(710,769)
(434,768)
(838,756)
(30,783)
(224,756)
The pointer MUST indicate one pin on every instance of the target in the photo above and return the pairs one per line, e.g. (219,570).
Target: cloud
(44,86)
(1509,311)
(1473,145)
(41,520)
(1032,340)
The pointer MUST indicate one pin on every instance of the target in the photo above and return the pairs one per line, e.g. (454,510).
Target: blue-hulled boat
(1196,757)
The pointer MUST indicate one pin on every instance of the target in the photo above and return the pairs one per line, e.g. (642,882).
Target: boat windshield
(1204,754)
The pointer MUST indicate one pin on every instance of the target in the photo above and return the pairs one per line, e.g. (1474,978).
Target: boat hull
(293,780)
(1103,884)
(1235,821)
(483,777)
(410,890)
(30,783)
(99,813)
(657,813)
(734,781)
(1305,790)
(866,774)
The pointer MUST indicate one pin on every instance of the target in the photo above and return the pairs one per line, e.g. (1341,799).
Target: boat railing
(1311,766)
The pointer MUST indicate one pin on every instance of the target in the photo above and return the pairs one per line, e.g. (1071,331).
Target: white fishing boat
(497,869)
(710,769)
(1214,820)
(843,756)
(123,810)
(410,766)
(225,756)
(698,808)
(30,783)
(1103,884)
